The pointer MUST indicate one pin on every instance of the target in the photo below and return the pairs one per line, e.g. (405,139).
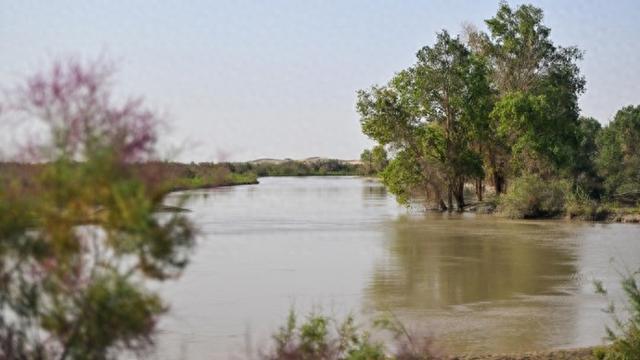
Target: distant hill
(267,161)
(309,160)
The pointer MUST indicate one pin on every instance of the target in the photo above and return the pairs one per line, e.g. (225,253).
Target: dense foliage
(428,116)
(532,197)
(500,106)
(373,161)
(79,239)
(619,155)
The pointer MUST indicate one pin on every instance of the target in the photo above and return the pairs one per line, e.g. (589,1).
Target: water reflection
(441,263)
(373,189)
(479,283)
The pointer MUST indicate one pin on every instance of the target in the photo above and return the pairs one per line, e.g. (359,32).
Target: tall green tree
(536,115)
(584,171)
(618,159)
(430,114)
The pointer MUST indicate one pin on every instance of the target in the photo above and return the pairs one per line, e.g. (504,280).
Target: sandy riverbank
(570,354)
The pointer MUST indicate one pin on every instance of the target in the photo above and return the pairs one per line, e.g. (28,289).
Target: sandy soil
(572,354)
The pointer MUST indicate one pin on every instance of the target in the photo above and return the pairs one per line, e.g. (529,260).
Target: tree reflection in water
(479,284)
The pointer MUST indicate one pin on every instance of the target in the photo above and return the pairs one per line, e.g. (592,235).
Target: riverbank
(604,213)
(206,176)
(232,179)
(162,176)
(173,176)
(569,354)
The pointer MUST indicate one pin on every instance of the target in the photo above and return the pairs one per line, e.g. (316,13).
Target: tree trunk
(438,197)
(443,206)
(479,189)
(460,195)
(498,182)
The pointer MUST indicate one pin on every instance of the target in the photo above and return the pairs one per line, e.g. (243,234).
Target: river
(336,245)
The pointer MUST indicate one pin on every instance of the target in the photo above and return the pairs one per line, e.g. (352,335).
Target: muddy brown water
(339,245)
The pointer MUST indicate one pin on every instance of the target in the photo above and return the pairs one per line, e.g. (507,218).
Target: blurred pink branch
(74,100)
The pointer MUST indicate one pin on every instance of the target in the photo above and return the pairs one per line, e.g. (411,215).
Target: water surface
(341,244)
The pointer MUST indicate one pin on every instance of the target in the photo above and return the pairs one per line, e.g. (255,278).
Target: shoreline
(210,186)
(585,353)
(617,215)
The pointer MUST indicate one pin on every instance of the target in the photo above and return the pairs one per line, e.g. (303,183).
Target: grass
(204,182)
(322,337)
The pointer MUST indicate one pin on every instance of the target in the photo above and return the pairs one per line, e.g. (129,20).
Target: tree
(367,162)
(379,158)
(583,170)
(518,44)
(430,115)
(77,245)
(374,160)
(618,160)
(536,116)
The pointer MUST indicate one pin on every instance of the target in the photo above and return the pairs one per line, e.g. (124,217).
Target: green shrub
(625,336)
(531,197)
(580,205)
(316,339)
(321,337)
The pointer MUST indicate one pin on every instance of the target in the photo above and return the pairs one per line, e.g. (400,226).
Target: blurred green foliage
(80,237)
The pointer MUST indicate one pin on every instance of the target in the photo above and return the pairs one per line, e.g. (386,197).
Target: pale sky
(241,80)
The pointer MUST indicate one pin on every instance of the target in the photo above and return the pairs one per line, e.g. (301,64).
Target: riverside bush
(580,205)
(321,337)
(316,339)
(532,197)
(625,336)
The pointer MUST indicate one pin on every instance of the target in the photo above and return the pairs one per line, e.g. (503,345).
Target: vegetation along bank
(492,117)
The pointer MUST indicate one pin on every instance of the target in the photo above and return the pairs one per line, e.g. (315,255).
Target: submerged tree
(431,115)
(77,244)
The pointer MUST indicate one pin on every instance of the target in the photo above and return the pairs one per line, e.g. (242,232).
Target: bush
(317,339)
(531,197)
(580,205)
(625,336)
